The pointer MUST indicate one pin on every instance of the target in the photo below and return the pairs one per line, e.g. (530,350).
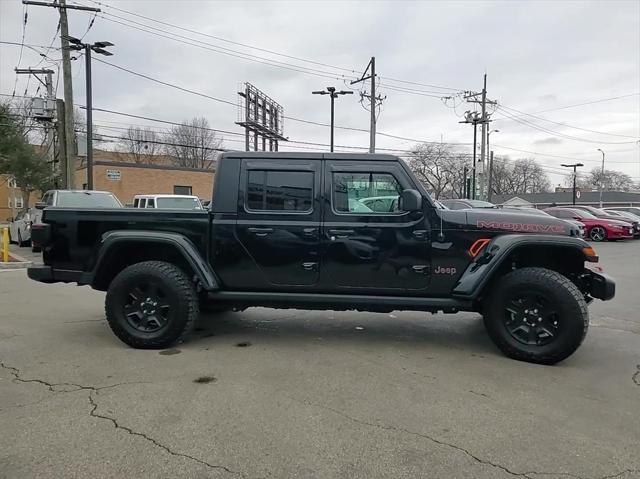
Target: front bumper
(600,285)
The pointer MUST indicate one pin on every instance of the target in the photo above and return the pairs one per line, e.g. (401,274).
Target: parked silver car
(20,228)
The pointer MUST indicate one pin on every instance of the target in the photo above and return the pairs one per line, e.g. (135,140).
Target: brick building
(126,180)
(120,174)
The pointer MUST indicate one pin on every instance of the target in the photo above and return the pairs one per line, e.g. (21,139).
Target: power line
(565,124)
(24,29)
(210,97)
(579,104)
(561,135)
(351,71)
(558,156)
(226,51)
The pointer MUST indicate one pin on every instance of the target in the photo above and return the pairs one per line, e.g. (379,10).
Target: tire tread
(543,275)
(184,288)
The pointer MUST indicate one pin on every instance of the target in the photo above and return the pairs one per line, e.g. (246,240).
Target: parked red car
(600,213)
(598,229)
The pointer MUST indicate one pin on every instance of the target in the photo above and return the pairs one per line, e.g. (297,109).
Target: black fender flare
(482,269)
(185,247)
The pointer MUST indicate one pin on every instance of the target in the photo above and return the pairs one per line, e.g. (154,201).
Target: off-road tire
(559,292)
(180,295)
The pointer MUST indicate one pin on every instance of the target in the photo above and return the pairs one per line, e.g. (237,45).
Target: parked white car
(72,199)
(20,228)
(177,202)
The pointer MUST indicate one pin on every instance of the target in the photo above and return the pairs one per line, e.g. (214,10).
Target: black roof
(292,155)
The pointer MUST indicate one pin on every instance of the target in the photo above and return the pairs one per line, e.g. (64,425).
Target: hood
(612,222)
(510,221)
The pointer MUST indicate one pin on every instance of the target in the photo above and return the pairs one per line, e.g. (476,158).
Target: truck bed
(77,232)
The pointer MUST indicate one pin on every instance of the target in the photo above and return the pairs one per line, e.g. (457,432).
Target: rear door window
(277,190)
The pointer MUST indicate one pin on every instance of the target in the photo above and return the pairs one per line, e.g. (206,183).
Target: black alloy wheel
(530,319)
(147,308)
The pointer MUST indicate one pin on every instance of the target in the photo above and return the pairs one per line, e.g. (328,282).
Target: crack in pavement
(486,462)
(413,433)
(636,377)
(15,372)
(117,425)
(626,471)
(52,386)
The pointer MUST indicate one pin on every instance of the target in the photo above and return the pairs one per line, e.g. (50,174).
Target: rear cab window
(277,190)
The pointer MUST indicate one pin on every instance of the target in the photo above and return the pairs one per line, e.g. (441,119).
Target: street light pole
(490,175)
(89,101)
(331,90)
(98,47)
(575,174)
(601,177)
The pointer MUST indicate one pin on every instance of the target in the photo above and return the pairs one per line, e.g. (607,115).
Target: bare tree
(610,180)
(522,176)
(430,163)
(456,166)
(193,144)
(141,143)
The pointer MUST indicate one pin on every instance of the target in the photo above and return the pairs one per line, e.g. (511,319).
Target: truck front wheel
(151,305)
(536,315)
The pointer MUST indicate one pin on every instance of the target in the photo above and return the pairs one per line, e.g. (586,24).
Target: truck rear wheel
(536,315)
(151,305)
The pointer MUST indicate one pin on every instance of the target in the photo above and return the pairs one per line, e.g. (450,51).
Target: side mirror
(40,205)
(410,200)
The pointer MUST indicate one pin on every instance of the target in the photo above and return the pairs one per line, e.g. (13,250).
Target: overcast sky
(538,55)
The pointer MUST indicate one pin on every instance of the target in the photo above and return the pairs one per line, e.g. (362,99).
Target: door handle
(311,232)
(261,232)
(420,268)
(420,234)
(341,234)
(310,266)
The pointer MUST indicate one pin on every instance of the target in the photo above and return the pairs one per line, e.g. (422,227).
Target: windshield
(87,199)
(179,203)
(584,214)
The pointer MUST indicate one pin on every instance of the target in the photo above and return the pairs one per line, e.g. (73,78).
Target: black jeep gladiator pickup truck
(327,231)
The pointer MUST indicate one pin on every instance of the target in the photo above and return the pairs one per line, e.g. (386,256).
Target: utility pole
(490,185)
(601,177)
(98,47)
(49,105)
(331,90)
(62,142)
(62,7)
(474,119)
(374,101)
(464,183)
(575,174)
(484,120)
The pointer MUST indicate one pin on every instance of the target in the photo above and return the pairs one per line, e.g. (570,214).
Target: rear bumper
(600,285)
(46,274)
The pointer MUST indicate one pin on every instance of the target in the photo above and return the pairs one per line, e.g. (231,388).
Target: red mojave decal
(524,227)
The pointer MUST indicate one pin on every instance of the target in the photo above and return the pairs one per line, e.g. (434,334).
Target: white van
(176,202)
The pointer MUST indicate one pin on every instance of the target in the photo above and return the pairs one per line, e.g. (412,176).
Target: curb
(15,265)
(20,263)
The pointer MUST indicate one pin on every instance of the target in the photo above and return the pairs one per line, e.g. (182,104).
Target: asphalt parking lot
(313,394)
